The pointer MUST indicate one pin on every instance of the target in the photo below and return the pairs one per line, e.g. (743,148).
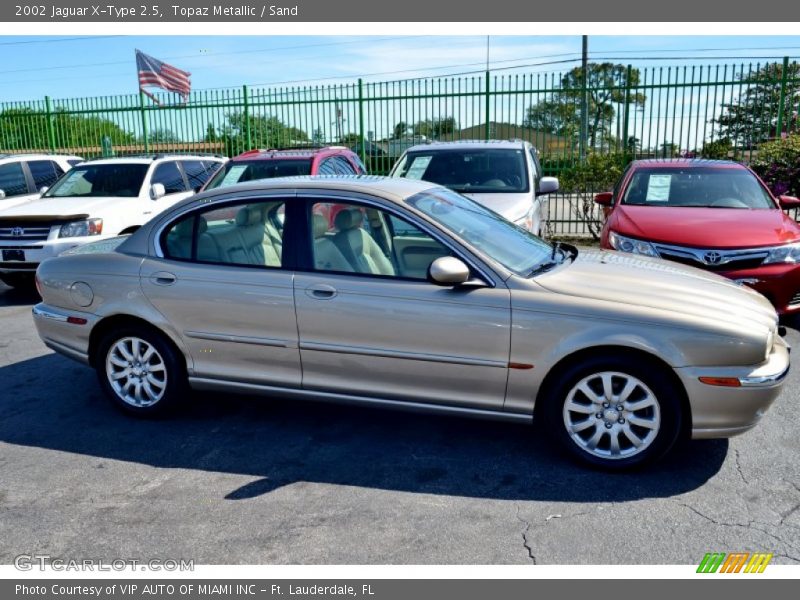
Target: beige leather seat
(327,257)
(357,246)
(179,241)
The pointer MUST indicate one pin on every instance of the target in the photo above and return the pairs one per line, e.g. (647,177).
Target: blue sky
(77,66)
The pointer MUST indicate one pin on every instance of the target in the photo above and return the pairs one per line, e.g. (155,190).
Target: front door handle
(321,291)
(163,278)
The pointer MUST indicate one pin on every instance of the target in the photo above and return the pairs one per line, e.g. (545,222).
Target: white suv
(504,176)
(96,199)
(23,177)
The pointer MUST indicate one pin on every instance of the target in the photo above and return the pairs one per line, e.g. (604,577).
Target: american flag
(153,72)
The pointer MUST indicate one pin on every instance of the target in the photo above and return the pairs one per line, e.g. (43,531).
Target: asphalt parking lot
(254,481)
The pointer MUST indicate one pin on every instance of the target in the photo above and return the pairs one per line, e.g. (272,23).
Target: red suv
(715,215)
(266,164)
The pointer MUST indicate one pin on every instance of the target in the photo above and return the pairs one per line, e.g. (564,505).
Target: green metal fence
(720,110)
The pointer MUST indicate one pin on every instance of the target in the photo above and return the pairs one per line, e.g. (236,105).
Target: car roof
(469,145)
(396,187)
(287,153)
(146,159)
(686,162)
(38,155)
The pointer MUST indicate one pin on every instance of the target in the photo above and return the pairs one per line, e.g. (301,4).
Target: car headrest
(249,215)
(320,226)
(348,219)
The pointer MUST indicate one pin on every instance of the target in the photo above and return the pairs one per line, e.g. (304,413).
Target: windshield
(696,187)
(240,171)
(513,247)
(489,170)
(118,179)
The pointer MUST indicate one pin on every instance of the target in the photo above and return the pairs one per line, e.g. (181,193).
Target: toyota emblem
(17,232)
(712,258)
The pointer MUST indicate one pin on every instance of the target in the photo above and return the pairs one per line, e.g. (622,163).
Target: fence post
(782,101)
(248,134)
(51,133)
(144,122)
(486,129)
(626,120)
(361,142)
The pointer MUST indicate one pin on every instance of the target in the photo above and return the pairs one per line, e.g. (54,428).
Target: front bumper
(780,283)
(37,252)
(719,411)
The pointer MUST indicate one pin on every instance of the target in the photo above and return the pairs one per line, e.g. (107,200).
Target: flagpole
(142,111)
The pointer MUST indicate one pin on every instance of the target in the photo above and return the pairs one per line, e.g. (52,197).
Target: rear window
(118,179)
(241,171)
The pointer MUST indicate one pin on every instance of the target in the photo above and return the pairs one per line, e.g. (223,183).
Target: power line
(234,52)
(57,40)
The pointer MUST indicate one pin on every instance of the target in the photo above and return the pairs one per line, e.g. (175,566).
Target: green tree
(400,130)
(25,128)
(605,86)
(265,132)
(162,135)
(435,128)
(753,117)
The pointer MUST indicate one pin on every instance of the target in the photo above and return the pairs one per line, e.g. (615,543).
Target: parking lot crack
(525,541)
(749,525)
(737,458)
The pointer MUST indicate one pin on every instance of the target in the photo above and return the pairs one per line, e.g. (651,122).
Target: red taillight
(38,284)
(95,226)
(76,320)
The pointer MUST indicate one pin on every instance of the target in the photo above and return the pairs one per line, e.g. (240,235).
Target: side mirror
(43,189)
(603,198)
(548,185)
(2,194)
(157,190)
(789,202)
(448,270)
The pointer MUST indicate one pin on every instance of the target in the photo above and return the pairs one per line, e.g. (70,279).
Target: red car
(266,164)
(715,215)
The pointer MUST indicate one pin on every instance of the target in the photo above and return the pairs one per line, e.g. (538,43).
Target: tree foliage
(605,85)
(753,117)
(266,131)
(25,128)
(778,164)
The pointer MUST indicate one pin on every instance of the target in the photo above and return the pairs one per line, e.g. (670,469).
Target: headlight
(81,228)
(790,253)
(626,244)
(526,222)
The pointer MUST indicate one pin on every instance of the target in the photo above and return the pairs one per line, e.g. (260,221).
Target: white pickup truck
(96,199)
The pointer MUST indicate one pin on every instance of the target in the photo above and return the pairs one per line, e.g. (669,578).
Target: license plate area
(13,255)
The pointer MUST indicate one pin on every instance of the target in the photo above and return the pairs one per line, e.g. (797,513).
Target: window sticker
(658,188)
(418,167)
(233,175)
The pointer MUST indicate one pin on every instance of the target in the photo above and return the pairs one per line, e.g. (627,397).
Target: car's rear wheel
(24,281)
(140,371)
(615,413)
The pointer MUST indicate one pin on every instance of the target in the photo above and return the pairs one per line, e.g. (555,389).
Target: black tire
(175,388)
(20,281)
(668,414)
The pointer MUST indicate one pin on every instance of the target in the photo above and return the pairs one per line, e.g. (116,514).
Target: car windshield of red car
(241,171)
(705,187)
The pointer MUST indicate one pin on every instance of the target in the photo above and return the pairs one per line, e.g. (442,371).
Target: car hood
(706,227)
(511,206)
(7,203)
(677,291)
(64,206)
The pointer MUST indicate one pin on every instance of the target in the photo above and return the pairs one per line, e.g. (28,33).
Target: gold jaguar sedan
(397,293)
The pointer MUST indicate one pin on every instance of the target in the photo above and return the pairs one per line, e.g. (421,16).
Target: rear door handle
(321,291)
(163,278)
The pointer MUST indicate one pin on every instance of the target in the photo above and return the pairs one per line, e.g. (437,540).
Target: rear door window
(12,180)
(44,172)
(168,174)
(196,173)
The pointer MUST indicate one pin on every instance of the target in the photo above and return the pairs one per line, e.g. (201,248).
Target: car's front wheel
(615,413)
(140,371)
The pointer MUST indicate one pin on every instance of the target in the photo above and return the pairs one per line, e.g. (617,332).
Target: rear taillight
(38,285)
